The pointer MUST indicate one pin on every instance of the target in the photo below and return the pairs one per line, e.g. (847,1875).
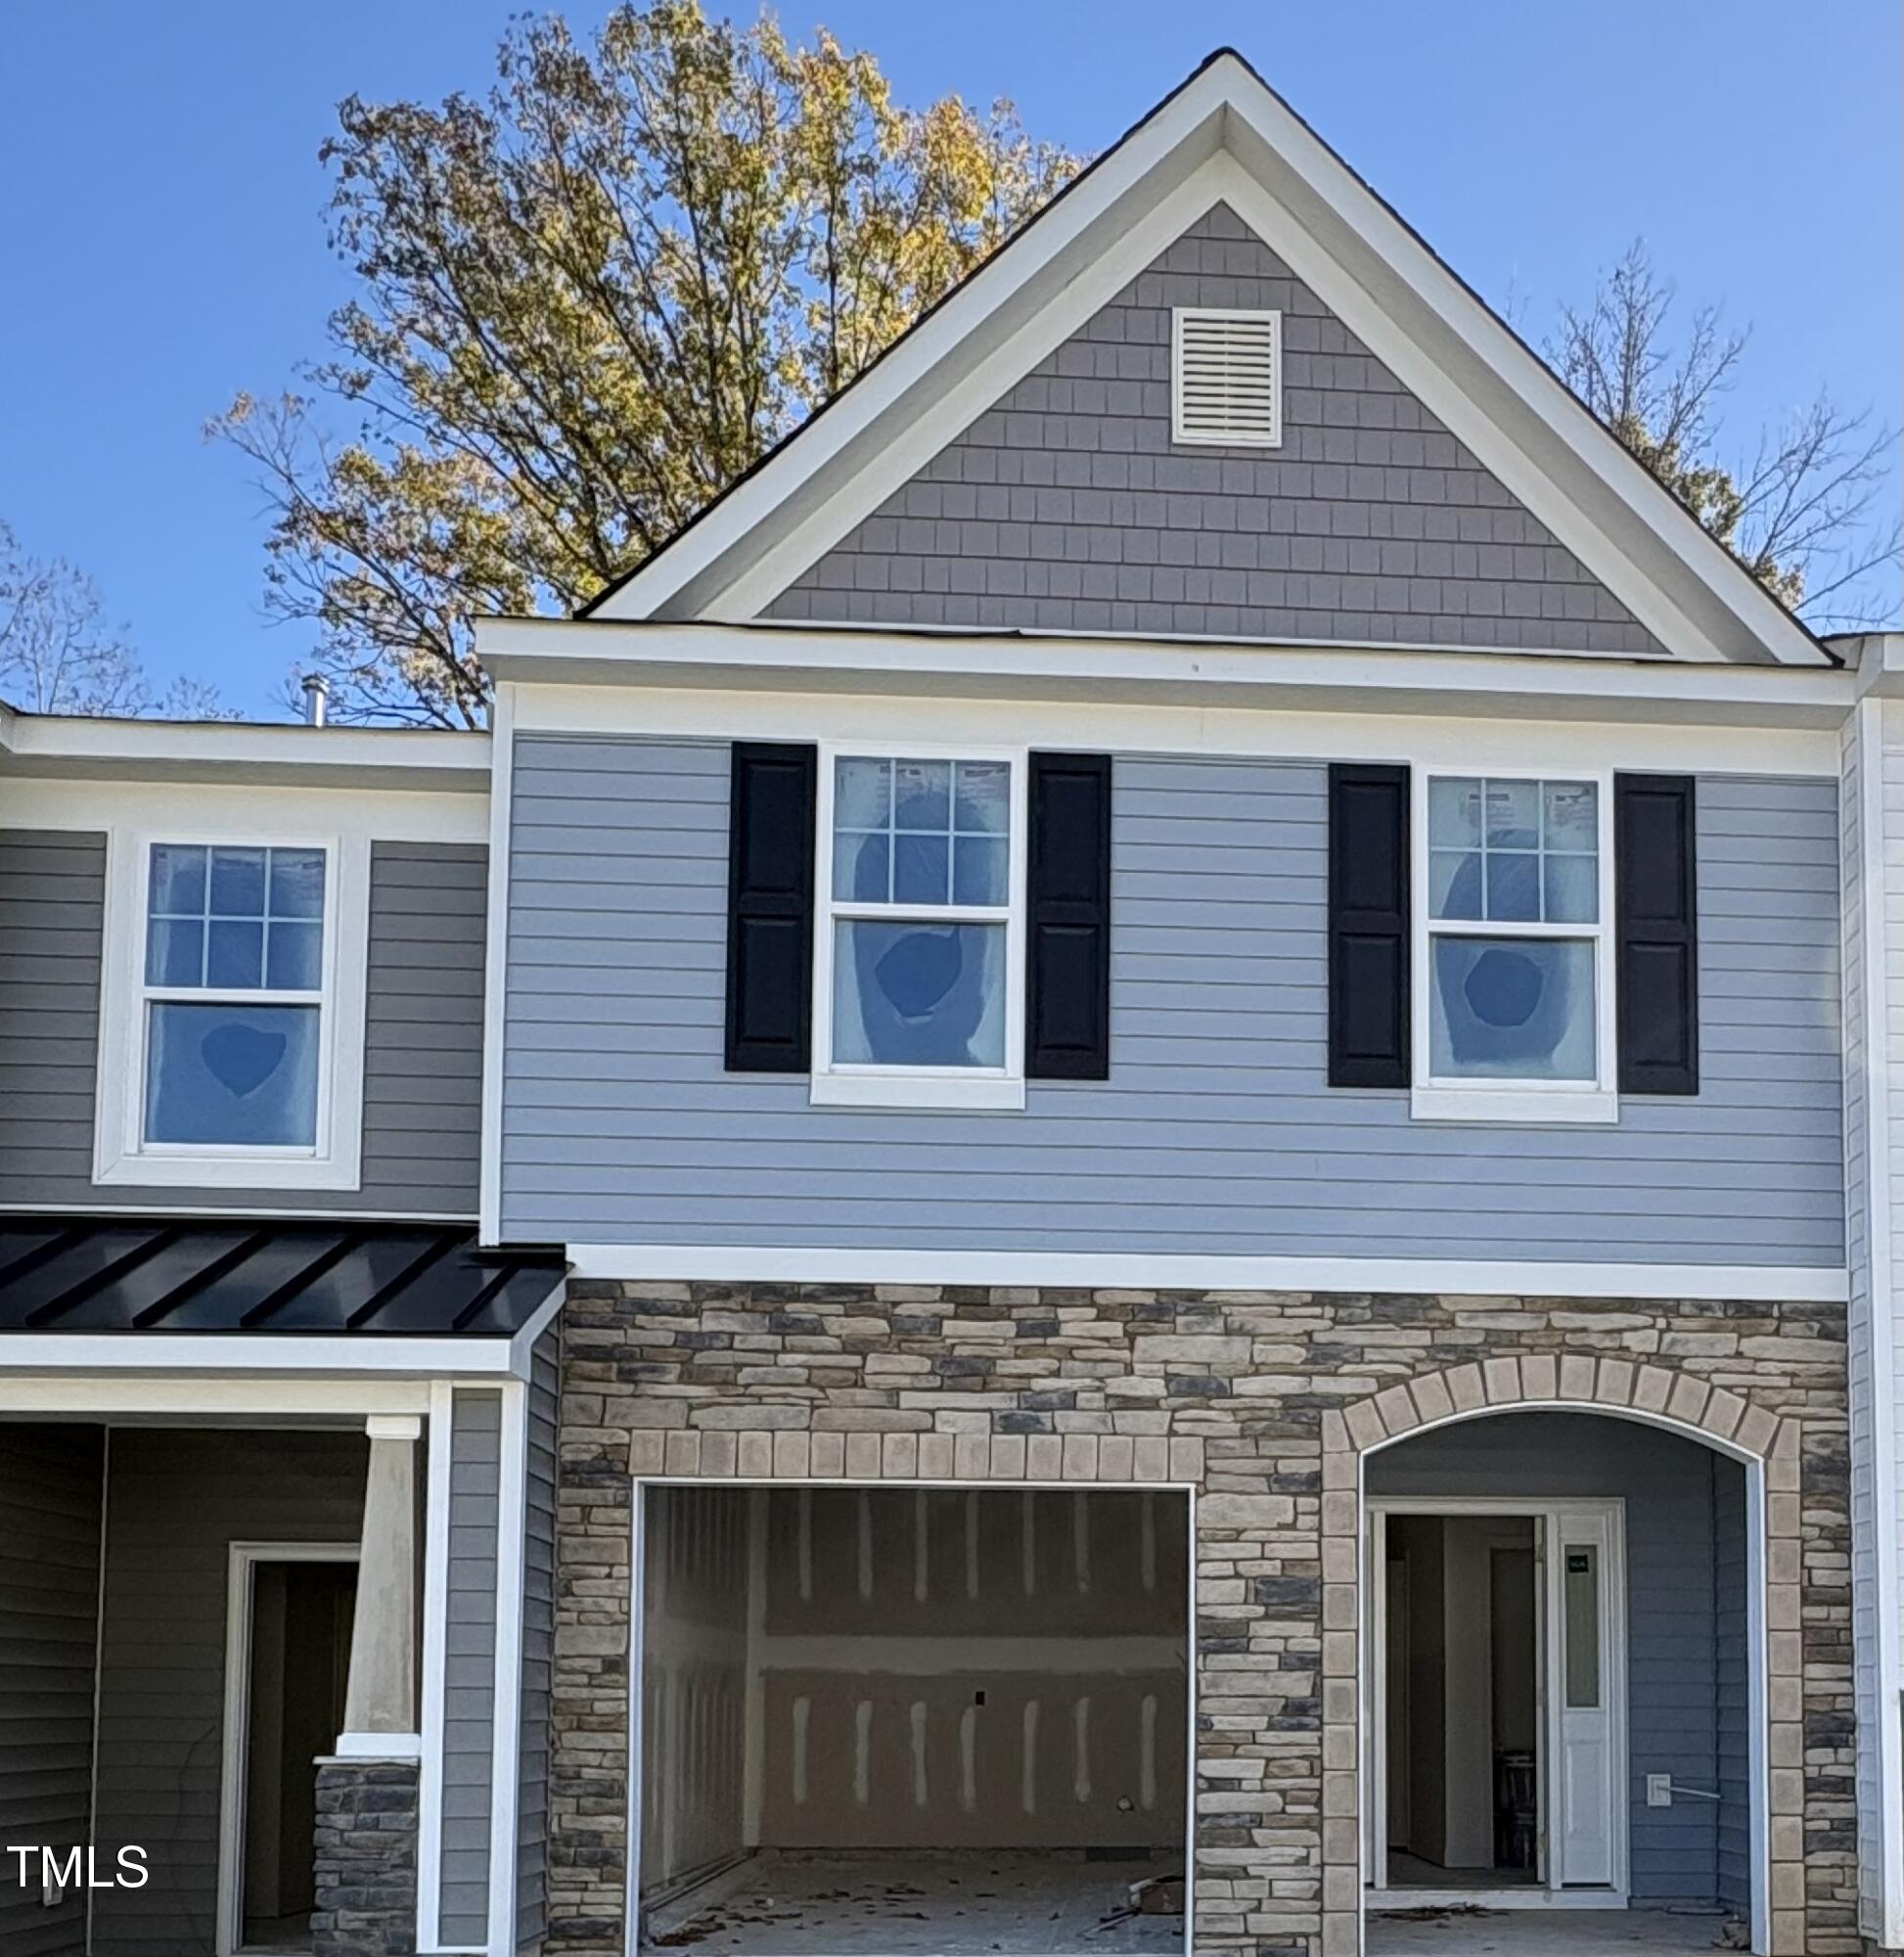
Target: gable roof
(1222,136)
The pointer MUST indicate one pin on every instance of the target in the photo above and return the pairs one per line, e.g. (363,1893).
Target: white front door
(1585,1679)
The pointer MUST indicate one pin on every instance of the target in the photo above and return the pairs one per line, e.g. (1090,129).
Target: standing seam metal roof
(156,1274)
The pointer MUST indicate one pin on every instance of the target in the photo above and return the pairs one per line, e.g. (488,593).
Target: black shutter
(1067,954)
(1368,926)
(770,908)
(1656,956)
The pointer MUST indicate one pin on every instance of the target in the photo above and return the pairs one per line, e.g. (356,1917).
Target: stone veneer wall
(366,1859)
(1265,1402)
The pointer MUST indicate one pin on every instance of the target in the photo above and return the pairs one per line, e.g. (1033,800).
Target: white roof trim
(794,661)
(1474,1278)
(1224,135)
(85,748)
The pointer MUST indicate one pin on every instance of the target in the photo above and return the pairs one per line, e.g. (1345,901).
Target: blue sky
(162,206)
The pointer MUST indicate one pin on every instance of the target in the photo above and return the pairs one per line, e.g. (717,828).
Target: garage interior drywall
(842,1671)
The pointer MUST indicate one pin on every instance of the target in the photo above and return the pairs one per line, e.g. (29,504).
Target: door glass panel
(1580,1604)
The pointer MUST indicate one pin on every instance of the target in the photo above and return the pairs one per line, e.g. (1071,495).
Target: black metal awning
(155,1274)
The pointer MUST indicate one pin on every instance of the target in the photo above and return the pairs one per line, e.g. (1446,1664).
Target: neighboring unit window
(233,998)
(918,957)
(1226,377)
(232,1013)
(1516,971)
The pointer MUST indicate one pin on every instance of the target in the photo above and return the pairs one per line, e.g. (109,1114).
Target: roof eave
(1226,106)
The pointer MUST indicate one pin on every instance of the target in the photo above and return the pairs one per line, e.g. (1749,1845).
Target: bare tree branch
(1810,515)
(58,657)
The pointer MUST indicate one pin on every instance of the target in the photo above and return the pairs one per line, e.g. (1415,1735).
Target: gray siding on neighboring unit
(51,915)
(1068,507)
(1684,1513)
(538,1642)
(423,1026)
(176,1503)
(1217,1133)
(470,1665)
(423,1032)
(50,1484)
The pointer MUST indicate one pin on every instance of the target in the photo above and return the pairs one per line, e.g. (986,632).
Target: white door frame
(1553,1512)
(240,1591)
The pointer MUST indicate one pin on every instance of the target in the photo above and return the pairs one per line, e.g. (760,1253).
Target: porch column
(380,1718)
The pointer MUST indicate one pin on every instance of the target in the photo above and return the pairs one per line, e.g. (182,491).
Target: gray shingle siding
(423,1032)
(1068,507)
(1216,1132)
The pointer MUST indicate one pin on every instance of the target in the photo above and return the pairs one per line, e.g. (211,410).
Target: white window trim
(121,1156)
(846,1085)
(1531,1102)
(1181,433)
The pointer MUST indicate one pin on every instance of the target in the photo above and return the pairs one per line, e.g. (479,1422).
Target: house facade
(1143,1122)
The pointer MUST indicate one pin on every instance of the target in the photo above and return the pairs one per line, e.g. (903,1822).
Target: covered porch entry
(265,1588)
(1562,1667)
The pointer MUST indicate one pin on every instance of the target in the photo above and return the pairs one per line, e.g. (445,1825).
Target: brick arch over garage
(1618,1388)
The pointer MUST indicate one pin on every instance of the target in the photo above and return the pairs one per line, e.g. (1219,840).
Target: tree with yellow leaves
(587,303)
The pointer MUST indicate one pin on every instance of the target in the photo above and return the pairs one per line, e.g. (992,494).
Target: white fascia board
(379,811)
(1472,1278)
(209,1398)
(1412,286)
(213,1354)
(1286,705)
(1879,661)
(523,1345)
(1397,732)
(86,749)
(1226,135)
(1059,665)
(1521,447)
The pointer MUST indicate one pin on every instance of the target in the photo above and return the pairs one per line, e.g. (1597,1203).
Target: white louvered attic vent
(1226,376)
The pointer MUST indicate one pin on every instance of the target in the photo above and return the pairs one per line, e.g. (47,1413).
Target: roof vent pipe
(317,694)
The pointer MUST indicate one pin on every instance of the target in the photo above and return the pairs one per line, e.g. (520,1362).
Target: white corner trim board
(435,1668)
(505,1761)
(1474,1278)
(495,960)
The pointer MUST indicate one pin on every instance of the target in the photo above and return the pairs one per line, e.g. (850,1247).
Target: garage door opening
(913,1720)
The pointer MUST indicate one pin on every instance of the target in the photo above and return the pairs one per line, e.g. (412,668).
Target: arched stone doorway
(1585,1390)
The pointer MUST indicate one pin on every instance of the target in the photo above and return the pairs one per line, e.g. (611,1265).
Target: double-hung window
(918,955)
(227,1028)
(1513,963)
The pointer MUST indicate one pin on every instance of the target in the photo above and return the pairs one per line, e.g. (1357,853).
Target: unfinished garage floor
(1538,1932)
(934,1722)
(917,1905)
